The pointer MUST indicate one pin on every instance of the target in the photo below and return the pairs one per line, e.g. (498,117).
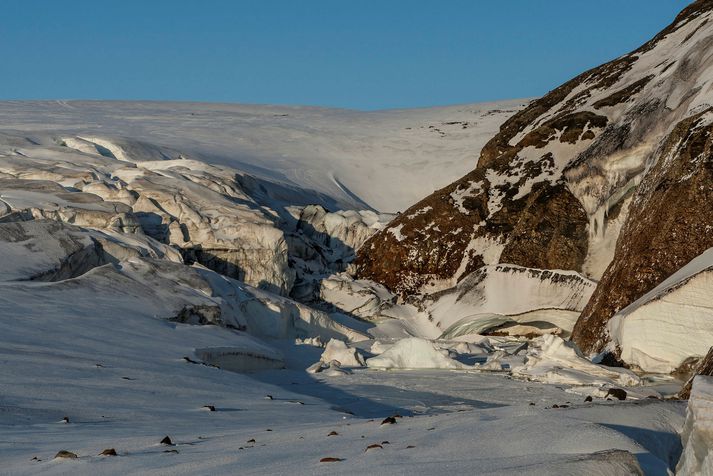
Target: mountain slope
(607,175)
(553,187)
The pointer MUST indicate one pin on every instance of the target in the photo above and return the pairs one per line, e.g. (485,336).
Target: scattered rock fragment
(167,441)
(330,459)
(618,393)
(389,421)
(588,399)
(108,452)
(170,451)
(410,447)
(210,408)
(385,443)
(373,447)
(251,440)
(66,454)
(65,420)
(269,397)
(332,433)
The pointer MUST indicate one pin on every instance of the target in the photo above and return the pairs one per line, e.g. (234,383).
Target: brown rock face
(704,367)
(670,223)
(548,186)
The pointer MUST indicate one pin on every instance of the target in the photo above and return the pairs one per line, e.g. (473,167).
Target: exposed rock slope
(552,189)
(671,223)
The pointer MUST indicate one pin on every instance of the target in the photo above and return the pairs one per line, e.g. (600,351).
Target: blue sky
(362,54)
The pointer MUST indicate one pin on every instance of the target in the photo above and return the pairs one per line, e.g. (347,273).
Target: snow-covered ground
(182,270)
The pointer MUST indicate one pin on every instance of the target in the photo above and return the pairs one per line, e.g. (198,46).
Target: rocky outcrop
(669,225)
(703,367)
(554,187)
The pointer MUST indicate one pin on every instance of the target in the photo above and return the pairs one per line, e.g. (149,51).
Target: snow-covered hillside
(384,160)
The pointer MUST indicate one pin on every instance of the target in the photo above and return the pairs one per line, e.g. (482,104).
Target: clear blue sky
(362,54)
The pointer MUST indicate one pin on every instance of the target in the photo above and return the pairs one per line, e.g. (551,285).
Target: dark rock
(167,441)
(210,408)
(332,433)
(588,398)
(618,393)
(108,452)
(373,447)
(389,421)
(330,459)
(66,454)
(703,367)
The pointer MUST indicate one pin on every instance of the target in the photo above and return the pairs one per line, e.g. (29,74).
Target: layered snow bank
(551,359)
(697,434)
(672,322)
(414,353)
(501,294)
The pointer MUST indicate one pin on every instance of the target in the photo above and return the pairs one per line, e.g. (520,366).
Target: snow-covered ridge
(383,160)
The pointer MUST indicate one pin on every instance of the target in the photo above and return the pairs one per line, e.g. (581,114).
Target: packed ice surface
(672,322)
(697,435)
